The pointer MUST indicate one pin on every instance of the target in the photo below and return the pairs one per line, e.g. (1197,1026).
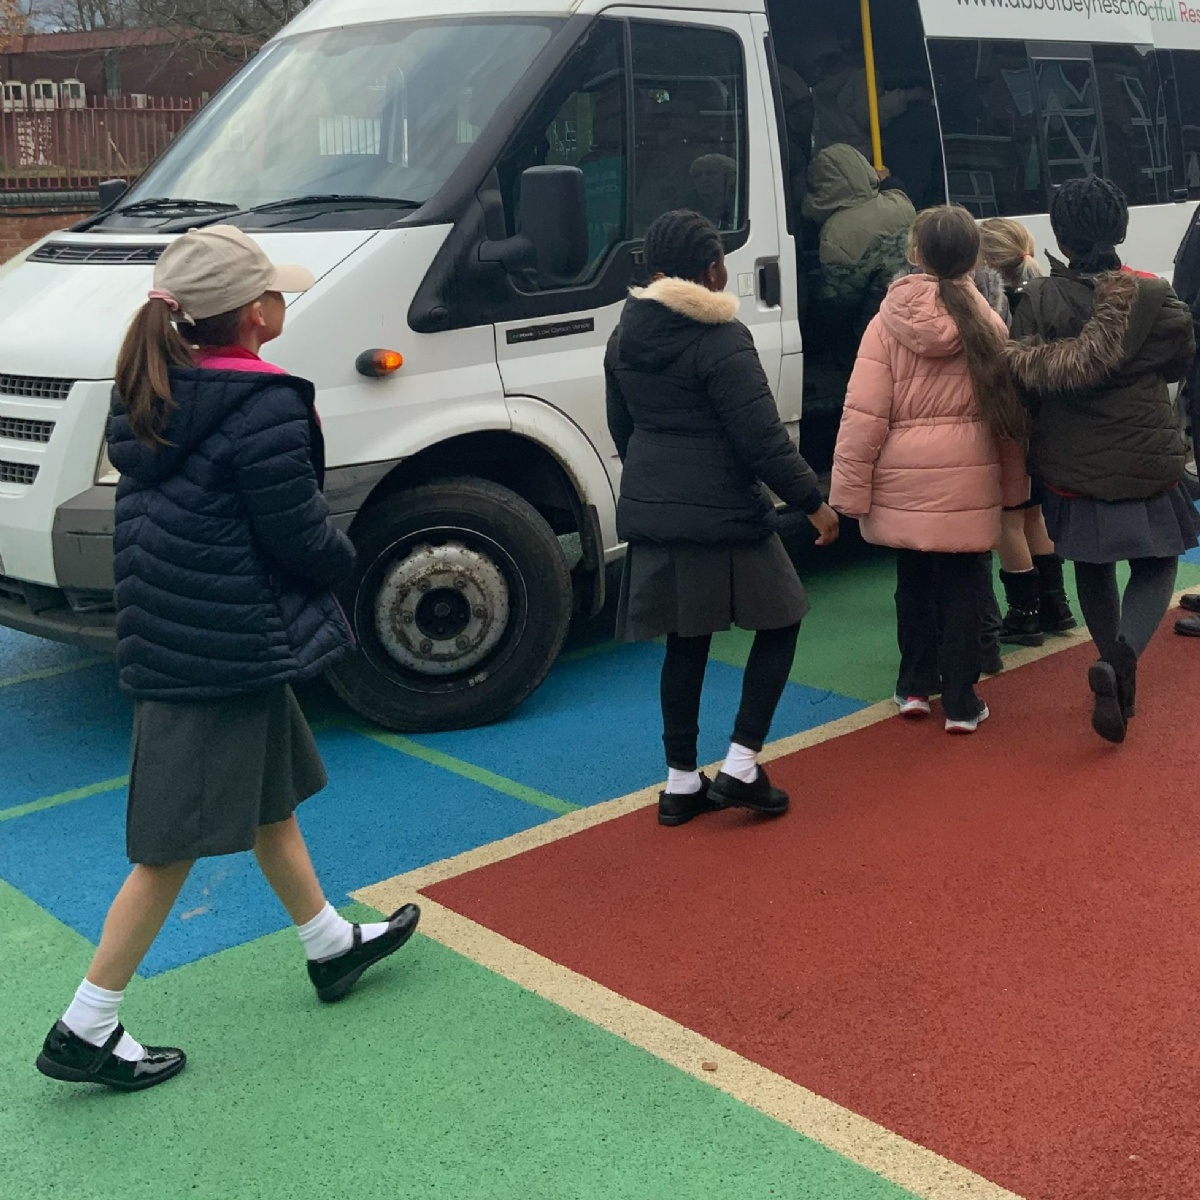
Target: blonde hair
(1008,247)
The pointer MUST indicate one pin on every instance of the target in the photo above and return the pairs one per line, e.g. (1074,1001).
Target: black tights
(683,670)
(1133,617)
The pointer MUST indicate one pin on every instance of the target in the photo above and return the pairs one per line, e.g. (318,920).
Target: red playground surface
(987,945)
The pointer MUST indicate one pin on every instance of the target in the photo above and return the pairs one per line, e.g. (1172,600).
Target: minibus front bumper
(80,609)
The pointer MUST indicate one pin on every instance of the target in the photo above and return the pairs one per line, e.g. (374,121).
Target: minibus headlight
(106,474)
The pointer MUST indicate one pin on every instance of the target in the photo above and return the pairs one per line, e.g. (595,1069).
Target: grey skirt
(206,774)
(693,590)
(1099,531)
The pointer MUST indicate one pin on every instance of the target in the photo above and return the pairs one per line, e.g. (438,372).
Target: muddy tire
(460,603)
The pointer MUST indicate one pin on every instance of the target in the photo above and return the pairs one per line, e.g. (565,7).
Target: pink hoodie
(914,460)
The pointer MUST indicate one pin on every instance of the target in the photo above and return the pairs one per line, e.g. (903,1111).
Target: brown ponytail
(151,348)
(946,240)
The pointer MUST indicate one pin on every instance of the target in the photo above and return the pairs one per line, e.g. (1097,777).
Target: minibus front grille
(35,387)
(17,429)
(96,253)
(22,473)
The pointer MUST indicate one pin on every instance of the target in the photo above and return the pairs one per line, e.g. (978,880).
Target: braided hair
(1090,218)
(683,245)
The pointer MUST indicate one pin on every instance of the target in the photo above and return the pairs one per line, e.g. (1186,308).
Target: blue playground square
(382,814)
(592,732)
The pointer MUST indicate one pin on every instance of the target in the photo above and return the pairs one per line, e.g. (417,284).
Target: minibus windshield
(386,110)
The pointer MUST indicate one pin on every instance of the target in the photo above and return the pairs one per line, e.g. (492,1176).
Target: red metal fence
(74,149)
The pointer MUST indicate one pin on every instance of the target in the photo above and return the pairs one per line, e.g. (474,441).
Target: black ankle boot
(1124,665)
(1054,611)
(1022,624)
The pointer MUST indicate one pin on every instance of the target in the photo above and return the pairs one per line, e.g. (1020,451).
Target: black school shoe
(759,796)
(335,977)
(1190,601)
(66,1056)
(1108,718)
(678,809)
(1188,626)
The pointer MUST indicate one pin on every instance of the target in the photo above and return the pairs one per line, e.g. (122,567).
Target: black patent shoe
(678,809)
(1108,718)
(334,977)
(1188,626)
(759,796)
(66,1056)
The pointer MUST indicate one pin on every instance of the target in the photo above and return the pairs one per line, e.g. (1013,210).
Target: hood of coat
(203,399)
(1113,315)
(839,178)
(661,321)
(913,313)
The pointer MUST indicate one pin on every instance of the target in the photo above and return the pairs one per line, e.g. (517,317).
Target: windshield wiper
(172,204)
(328,200)
(334,198)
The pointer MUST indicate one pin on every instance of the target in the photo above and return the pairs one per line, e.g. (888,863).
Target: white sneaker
(968,726)
(913,707)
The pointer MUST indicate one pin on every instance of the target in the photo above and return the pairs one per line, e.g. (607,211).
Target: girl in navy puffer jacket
(225,555)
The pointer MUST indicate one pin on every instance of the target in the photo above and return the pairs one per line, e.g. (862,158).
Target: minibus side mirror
(111,191)
(552,240)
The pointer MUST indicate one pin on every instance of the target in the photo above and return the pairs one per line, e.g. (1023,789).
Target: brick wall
(21,227)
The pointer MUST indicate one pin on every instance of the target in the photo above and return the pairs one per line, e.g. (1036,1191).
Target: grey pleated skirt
(1099,531)
(206,774)
(693,590)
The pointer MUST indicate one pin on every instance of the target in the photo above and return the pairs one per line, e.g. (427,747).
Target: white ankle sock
(329,934)
(92,1015)
(741,763)
(682,783)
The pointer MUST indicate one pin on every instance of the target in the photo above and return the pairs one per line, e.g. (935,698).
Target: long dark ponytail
(946,240)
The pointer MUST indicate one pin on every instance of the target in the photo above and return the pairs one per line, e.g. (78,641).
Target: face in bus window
(714,184)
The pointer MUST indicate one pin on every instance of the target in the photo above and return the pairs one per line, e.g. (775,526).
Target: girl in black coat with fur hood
(1097,347)
(695,424)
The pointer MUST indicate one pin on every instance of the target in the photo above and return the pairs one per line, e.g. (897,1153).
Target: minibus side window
(1183,67)
(689,124)
(1019,119)
(1140,123)
(989,126)
(582,124)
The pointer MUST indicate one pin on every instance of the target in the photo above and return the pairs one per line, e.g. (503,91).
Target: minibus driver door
(657,114)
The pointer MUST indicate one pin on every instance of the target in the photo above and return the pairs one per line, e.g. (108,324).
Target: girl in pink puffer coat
(931,448)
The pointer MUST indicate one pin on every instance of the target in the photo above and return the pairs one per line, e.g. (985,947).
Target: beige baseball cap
(218,269)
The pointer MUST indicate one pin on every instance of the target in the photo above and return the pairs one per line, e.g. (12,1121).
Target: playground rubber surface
(987,945)
(958,970)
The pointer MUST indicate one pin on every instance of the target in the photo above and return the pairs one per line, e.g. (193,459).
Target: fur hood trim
(1078,363)
(691,300)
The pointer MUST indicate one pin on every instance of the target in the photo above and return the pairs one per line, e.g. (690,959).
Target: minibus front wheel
(459,603)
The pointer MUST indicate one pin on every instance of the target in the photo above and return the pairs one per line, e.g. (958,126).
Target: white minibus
(470,181)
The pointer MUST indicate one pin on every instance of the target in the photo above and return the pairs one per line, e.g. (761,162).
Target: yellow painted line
(83,664)
(82,793)
(920,1171)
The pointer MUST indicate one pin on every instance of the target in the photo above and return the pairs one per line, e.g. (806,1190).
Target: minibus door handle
(770,283)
